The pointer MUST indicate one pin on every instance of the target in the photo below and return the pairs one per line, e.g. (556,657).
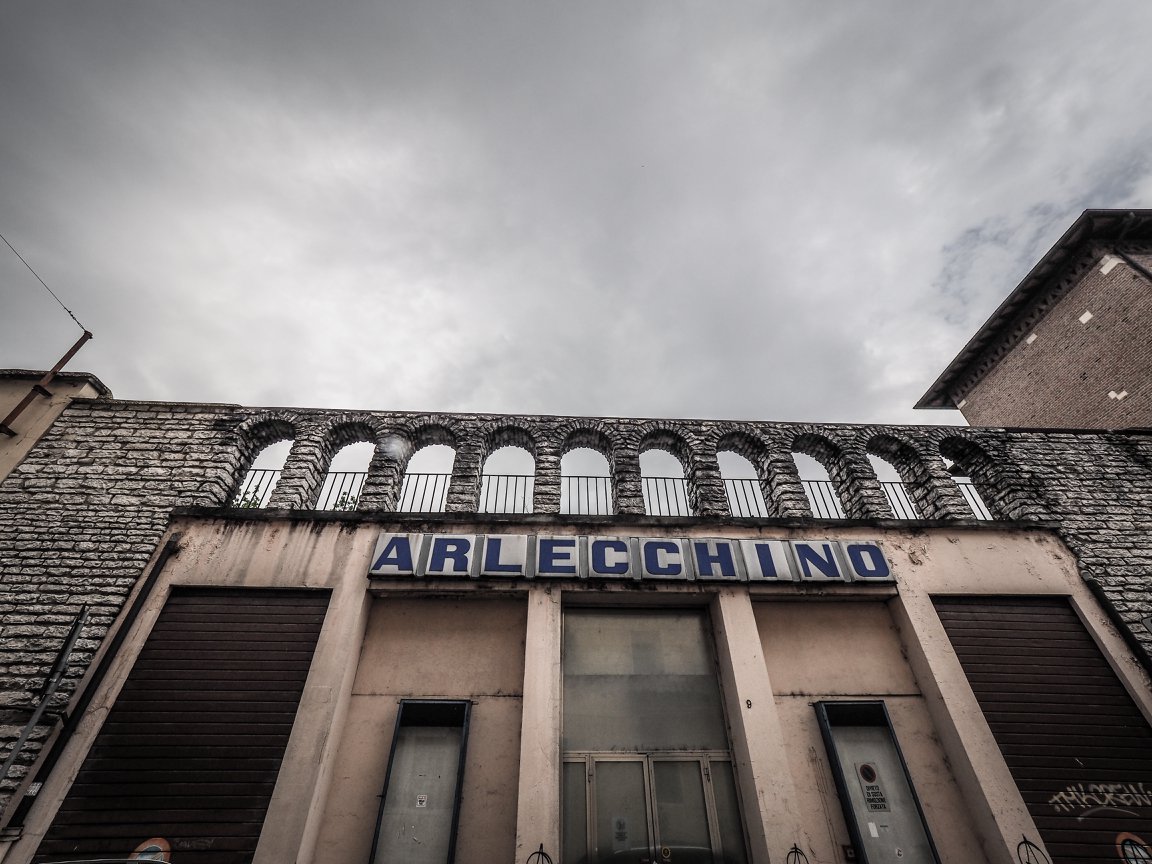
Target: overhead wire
(42,282)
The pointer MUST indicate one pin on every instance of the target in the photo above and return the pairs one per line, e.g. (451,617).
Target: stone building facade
(1070,346)
(120,506)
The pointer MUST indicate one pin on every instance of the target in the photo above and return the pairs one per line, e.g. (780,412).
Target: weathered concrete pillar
(381,490)
(464,486)
(780,482)
(1000,813)
(546,486)
(627,493)
(706,495)
(858,487)
(759,746)
(538,801)
(303,474)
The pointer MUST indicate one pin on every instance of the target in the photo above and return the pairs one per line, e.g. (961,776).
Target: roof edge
(75,377)
(1094,225)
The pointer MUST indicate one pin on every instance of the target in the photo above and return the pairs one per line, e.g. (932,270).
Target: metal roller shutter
(1078,748)
(192,747)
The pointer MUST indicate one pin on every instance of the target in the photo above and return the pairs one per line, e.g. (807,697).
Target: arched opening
(989,493)
(506,484)
(818,487)
(894,488)
(905,478)
(741,484)
(585,483)
(663,484)
(812,455)
(262,477)
(968,490)
(425,488)
(345,478)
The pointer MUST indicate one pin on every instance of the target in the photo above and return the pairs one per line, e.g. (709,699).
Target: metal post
(41,387)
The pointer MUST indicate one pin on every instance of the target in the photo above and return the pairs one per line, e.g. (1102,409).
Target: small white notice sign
(421,800)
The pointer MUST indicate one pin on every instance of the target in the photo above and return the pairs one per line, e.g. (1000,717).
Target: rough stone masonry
(82,514)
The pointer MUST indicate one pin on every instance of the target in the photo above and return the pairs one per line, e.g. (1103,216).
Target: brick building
(947,669)
(1071,346)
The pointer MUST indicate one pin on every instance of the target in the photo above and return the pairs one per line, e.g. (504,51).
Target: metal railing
(745,498)
(666,496)
(423,493)
(257,487)
(898,500)
(341,490)
(979,508)
(583,495)
(506,493)
(823,499)
(586,495)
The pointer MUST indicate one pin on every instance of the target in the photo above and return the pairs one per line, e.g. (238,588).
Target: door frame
(646,758)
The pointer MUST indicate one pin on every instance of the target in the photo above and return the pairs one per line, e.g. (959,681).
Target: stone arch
(428,434)
(342,432)
(344,490)
(747,498)
(1005,492)
(423,492)
(359,430)
(409,442)
(581,493)
(821,448)
(509,435)
(913,471)
(590,438)
(666,496)
(902,456)
(925,480)
(255,435)
(844,499)
(743,443)
(661,438)
(513,493)
(783,489)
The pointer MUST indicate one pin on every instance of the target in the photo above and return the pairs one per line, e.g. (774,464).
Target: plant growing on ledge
(250,498)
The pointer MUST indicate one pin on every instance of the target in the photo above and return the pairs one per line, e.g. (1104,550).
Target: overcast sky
(751,210)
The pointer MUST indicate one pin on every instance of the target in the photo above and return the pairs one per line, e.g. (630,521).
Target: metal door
(880,805)
(421,799)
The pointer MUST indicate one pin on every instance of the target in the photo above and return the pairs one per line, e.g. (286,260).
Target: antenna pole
(41,387)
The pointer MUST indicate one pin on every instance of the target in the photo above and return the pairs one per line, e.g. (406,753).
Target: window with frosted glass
(640,681)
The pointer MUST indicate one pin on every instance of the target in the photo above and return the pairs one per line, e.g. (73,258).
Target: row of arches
(794,471)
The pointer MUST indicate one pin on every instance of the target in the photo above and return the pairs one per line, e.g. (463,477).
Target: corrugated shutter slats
(192,747)
(1078,748)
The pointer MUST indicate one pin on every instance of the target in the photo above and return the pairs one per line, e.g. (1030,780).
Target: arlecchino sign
(531,556)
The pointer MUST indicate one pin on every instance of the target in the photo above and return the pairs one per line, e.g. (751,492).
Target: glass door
(653,808)
(622,828)
(684,821)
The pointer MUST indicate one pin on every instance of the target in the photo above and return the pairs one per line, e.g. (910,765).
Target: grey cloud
(784,211)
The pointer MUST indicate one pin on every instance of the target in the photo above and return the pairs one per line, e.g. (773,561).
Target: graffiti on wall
(1087,799)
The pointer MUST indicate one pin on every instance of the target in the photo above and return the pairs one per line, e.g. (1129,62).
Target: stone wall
(83,513)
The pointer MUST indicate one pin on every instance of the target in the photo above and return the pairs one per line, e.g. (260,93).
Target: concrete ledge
(413,520)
